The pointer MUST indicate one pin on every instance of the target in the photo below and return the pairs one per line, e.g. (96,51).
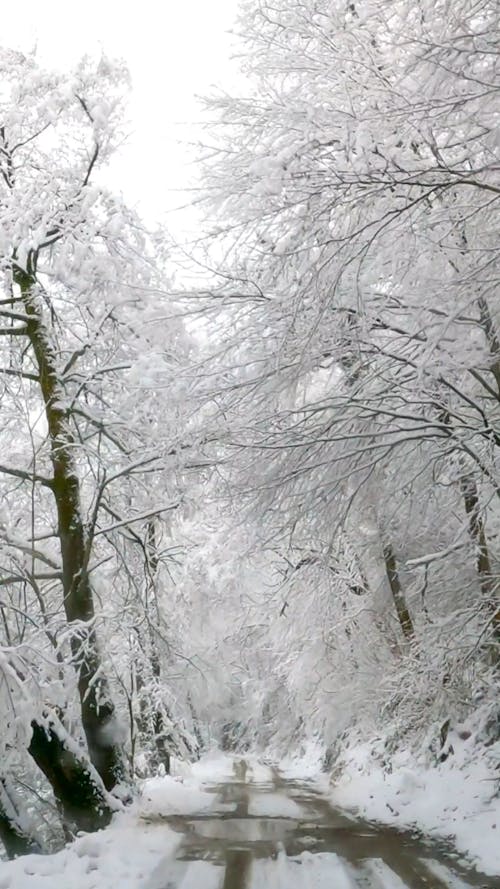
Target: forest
(250,485)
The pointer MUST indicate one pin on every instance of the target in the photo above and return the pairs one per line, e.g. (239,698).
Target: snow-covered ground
(125,855)
(454,800)
(137,844)
(166,796)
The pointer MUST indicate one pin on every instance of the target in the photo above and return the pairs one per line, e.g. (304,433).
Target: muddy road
(283,834)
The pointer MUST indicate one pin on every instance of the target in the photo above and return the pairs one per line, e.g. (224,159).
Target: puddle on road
(237,840)
(238,869)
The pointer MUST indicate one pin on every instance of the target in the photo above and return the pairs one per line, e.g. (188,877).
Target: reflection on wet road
(283,834)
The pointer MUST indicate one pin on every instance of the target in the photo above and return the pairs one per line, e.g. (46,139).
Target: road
(283,834)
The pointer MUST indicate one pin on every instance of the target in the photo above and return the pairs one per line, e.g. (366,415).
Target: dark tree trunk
(79,796)
(161,738)
(468,486)
(196,725)
(160,741)
(97,710)
(16,841)
(492,340)
(477,531)
(404,617)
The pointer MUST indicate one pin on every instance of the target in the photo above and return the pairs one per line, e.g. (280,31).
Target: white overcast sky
(175,49)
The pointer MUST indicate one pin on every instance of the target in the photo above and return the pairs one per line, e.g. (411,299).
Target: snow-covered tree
(83,360)
(354,208)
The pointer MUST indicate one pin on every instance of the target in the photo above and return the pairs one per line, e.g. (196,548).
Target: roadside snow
(124,855)
(305,763)
(127,854)
(454,800)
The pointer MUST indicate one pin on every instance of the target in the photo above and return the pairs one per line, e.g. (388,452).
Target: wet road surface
(283,834)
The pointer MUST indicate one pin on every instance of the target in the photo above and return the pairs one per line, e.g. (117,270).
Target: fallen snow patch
(323,870)
(214,766)
(161,797)
(274,805)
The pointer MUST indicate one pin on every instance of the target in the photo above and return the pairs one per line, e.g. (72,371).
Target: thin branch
(140,518)
(13,331)
(12,372)
(27,476)
(24,578)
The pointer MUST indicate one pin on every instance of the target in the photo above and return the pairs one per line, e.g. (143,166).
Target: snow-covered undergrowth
(128,852)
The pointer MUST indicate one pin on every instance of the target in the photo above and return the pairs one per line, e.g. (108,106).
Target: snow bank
(454,800)
(124,855)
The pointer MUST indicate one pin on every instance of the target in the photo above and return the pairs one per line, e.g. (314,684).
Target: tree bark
(492,340)
(468,487)
(196,725)
(97,710)
(160,742)
(477,531)
(397,594)
(160,737)
(81,801)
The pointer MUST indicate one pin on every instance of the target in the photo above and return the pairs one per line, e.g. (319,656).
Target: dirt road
(283,834)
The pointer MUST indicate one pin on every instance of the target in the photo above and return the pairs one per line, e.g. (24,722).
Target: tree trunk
(196,726)
(97,710)
(79,796)
(397,594)
(151,722)
(492,340)
(477,531)
(468,486)
(12,834)
(160,737)
(160,741)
